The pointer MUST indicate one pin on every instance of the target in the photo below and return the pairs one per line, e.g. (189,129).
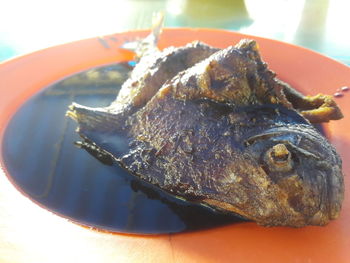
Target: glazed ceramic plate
(87,200)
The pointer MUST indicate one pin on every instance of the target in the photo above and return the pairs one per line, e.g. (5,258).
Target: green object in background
(6,51)
(224,14)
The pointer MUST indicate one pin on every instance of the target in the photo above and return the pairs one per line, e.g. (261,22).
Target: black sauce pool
(41,158)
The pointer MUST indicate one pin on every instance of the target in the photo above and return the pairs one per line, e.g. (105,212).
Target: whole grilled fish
(218,128)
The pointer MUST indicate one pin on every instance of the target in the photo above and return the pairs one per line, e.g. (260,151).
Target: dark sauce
(43,161)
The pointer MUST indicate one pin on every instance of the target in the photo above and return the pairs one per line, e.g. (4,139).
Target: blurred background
(321,25)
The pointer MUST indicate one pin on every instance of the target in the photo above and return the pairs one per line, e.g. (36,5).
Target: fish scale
(224,90)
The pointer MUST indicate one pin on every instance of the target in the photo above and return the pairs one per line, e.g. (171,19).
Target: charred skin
(228,134)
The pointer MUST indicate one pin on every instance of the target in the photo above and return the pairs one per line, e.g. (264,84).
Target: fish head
(285,172)
(301,173)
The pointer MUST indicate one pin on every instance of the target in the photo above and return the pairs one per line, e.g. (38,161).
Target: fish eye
(278,158)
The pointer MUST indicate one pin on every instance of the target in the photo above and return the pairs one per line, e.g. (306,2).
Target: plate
(307,71)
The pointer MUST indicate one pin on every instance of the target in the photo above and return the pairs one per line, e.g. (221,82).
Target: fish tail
(147,45)
(93,119)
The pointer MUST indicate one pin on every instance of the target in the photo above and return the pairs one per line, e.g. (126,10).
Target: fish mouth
(333,195)
(321,197)
(314,188)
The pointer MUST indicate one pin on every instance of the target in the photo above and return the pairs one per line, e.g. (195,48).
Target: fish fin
(147,45)
(316,109)
(94,119)
(96,151)
(324,109)
(103,132)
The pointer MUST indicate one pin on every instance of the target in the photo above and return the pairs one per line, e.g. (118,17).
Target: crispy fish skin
(154,70)
(195,158)
(227,133)
(146,79)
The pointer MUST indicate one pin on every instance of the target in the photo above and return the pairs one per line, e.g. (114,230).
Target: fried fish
(218,128)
